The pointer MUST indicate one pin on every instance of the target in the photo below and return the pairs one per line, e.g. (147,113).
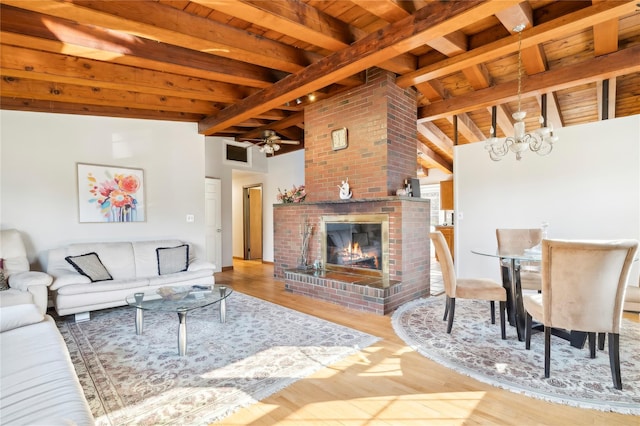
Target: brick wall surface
(409,223)
(380,118)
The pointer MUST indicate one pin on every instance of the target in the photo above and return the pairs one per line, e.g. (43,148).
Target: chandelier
(540,141)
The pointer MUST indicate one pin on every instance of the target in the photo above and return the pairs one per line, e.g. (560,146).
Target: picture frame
(339,139)
(110,194)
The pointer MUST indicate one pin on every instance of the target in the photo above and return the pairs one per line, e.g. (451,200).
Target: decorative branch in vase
(305,231)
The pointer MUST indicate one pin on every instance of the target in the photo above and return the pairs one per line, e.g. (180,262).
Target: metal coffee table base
(182,328)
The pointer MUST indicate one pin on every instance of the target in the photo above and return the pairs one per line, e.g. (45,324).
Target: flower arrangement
(294,195)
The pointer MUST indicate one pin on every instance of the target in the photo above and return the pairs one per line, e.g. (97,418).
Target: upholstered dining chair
(466,288)
(516,241)
(583,286)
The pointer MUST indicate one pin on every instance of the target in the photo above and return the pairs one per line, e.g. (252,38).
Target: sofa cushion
(117,257)
(200,277)
(90,266)
(102,286)
(39,385)
(146,257)
(172,259)
(16,316)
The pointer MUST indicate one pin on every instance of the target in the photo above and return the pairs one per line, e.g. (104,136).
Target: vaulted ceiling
(239,67)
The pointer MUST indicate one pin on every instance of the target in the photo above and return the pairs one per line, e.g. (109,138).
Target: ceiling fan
(270,142)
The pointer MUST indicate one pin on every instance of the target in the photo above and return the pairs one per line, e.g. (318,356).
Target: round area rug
(474,348)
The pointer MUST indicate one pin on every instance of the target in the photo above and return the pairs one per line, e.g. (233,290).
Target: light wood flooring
(388,383)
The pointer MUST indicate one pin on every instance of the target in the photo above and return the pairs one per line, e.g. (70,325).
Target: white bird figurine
(345,193)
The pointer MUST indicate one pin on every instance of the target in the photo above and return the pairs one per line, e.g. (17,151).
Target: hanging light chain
(519,29)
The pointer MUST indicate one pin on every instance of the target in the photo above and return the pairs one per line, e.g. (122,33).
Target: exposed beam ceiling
(239,67)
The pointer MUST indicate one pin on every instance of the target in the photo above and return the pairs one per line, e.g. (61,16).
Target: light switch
(190,218)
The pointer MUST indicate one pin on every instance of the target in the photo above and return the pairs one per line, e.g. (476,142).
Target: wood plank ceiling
(240,67)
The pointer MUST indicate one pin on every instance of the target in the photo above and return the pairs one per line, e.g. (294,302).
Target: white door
(213,222)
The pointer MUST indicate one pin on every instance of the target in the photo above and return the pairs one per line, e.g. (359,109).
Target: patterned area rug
(474,348)
(262,348)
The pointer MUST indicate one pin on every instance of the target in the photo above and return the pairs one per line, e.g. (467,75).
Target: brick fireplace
(380,119)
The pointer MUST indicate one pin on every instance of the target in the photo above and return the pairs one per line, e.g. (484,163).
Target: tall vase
(304,249)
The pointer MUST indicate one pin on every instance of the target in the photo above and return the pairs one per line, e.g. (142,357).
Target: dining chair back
(583,286)
(516,241)
(466,288)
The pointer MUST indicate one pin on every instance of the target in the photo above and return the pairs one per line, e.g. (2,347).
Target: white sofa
(632,298)
(38,383)
(25,286)
(133,266)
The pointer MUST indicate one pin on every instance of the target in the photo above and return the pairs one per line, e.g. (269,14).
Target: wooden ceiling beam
(451,44)
(438,138)
(607,66)
(389,10)
(554,115)
(27,29)
(432,160)
(432,21)
(289,17)
(301,21)
(38,65)
(468,128)
(37,105)
(533,57)
(556,28)
(161,23)
(605,35)
(68,93)
(292,120)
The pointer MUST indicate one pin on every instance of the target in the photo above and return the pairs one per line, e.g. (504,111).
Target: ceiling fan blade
(289,142)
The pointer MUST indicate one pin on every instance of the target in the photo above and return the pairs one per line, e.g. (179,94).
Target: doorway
(213,222)
(252,205)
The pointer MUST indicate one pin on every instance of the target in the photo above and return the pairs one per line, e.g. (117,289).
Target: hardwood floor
(387,383)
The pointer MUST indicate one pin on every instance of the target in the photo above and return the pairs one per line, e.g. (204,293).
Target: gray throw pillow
(4,281)
(90,266)
(172,259)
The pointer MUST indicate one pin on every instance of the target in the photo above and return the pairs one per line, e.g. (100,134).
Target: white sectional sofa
(128,267)
(38,383)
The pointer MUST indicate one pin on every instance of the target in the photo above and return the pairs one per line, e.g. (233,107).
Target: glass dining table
(511,282)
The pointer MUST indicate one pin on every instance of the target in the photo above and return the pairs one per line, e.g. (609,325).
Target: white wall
(285,171)
(38,183)
(281,171)
(587,188)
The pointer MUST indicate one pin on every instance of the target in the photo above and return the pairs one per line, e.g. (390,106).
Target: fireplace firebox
(356,243)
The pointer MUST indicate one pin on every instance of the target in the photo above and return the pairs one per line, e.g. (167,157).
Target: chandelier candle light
(540,142)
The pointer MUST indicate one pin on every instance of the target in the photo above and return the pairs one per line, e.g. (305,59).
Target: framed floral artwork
(110,194)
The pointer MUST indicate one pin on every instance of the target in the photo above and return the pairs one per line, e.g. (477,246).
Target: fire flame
(354,250)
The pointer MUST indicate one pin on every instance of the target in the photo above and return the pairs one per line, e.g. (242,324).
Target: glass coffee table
(185,299)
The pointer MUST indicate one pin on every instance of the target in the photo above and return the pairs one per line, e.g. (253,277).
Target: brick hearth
(409,253)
